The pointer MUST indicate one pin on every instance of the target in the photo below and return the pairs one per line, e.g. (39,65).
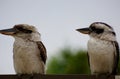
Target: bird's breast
(27,57)
(97,46)
(101,55)
(22,48)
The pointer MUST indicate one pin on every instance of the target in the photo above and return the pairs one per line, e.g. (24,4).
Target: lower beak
(10,31)
(84,30)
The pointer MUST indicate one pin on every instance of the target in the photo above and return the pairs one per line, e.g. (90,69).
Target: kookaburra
(103,49)
(29,53)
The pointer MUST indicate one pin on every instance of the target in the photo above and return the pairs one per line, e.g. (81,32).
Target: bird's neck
(22,40)
(105,37)
(34,37)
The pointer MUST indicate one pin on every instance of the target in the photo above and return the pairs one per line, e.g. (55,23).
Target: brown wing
(116,57)
(43,52)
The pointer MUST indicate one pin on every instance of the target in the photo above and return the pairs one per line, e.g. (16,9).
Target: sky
(56,20)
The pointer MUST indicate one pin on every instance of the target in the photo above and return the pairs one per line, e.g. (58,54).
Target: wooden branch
(48,76)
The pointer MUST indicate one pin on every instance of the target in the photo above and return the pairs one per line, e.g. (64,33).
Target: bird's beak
(84,30)
(10,31)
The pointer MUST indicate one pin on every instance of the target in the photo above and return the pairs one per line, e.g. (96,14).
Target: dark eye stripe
(24,30)
(97,30)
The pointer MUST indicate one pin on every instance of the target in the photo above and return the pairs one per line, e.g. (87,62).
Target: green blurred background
(70,62)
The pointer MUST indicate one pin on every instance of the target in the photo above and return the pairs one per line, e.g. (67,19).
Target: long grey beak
(9,31)
(84,30)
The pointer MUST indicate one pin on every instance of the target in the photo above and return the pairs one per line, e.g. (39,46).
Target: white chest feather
(101,56)
(27,58)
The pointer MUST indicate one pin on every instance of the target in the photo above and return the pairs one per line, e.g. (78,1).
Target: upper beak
(10,31)
(84,30)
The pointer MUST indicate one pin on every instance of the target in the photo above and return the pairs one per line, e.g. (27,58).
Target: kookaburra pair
(29,53)
(103,49)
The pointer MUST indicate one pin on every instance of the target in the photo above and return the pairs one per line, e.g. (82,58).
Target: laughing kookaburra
(29,53)
(103,49)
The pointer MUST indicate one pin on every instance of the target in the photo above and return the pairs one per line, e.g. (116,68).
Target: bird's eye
(99,31)
(24,30)
(93,28)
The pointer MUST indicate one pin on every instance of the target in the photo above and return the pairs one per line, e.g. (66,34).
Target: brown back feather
(43,52)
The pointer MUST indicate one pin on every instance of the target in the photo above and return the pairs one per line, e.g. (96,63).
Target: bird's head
(23,31)
(99,30)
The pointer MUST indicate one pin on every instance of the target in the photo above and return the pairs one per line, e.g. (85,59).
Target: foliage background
(70,62)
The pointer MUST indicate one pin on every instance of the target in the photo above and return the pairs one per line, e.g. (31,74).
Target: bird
(29,53)
(103,48)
